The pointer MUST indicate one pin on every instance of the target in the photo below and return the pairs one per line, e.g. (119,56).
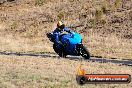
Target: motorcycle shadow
(29,54)
(45,55)
(77,58)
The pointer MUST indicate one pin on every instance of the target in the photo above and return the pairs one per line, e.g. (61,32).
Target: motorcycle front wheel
(84,52)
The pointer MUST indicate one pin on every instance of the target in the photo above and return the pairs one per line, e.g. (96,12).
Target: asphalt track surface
(54,55)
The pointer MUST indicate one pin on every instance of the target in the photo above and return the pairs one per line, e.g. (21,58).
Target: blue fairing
(72,40)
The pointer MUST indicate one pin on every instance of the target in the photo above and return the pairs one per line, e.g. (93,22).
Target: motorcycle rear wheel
(60,52)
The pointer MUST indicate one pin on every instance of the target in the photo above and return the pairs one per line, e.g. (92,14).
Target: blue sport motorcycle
(71,45)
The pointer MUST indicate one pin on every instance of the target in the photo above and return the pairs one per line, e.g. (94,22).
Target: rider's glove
(72,34)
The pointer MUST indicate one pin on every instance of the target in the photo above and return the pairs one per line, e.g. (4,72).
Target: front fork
(79,49)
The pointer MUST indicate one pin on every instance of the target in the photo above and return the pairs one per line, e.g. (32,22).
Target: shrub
(98,14)
(14,25)
(93,23)
(61,15)
(130,15)
(104,9)
(117,3)
(40,2)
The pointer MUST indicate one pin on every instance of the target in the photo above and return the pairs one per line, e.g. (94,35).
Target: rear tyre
(60,51)
(84,52)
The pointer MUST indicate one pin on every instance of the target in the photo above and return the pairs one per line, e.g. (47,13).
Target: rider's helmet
(60,25)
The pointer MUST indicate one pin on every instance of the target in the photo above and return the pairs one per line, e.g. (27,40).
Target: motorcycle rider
(59,31)
(57,34)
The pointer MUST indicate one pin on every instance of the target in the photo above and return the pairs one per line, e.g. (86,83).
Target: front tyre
(84,52)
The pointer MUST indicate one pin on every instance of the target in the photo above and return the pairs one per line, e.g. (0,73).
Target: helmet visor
(62,26)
